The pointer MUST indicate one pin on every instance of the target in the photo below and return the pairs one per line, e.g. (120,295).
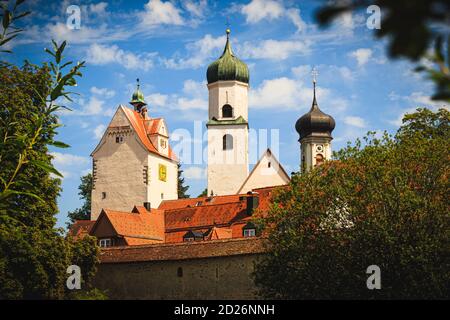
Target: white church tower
(315,129)
(227,126)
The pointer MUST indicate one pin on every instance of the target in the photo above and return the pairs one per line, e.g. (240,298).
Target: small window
(269,164)
(162,195)
(249,233)
(189,239)
(180,272)
(103,195)
(119,139)
(319,159)
(227,142)
(104,243)
(227,111)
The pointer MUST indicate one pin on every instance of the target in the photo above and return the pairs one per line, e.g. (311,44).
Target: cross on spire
(314,74)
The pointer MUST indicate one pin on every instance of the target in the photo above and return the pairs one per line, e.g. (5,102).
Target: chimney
(147,206)
(252,202)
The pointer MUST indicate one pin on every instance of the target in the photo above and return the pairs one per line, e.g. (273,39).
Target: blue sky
(169,44)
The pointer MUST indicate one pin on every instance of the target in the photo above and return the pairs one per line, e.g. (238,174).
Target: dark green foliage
(34,255)
(182,189)
(383,204)
(85,193)
(411,27)
(204,193)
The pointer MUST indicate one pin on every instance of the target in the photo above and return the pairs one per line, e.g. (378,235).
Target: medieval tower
(315,129)
(227,126)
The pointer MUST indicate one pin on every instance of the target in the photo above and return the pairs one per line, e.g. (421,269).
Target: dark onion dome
(228,67)
(315,123)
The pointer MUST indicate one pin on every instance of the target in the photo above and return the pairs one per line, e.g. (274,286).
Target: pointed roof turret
(315,122)
(137,100)
(228,66)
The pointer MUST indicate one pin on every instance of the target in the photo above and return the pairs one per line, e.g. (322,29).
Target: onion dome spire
(228,66)
(137,100)
(315,123)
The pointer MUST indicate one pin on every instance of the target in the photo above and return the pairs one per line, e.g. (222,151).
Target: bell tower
(315,129)
(227,126)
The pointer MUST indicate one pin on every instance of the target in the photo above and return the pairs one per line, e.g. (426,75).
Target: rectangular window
(249,233)
(189,239)
(119,139)
(104,243)
(103,195)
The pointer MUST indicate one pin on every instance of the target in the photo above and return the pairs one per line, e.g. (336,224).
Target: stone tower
(315,129)
(227,126)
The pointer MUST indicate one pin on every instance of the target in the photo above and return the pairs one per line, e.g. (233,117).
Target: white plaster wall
(264,176)
(309,150)
(119,174)
(237,98)
(156,187)
(227,169)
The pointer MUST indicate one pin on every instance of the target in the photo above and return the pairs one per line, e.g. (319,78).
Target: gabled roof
(282,172)
(219,233)
(80,228)
(203,201)
(143,128)
(138,227)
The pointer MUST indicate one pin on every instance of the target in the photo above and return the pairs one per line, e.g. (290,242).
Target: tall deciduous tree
(383,204)
(85,193)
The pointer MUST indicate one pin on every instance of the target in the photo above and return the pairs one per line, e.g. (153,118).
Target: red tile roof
(145,127)
(137,227)
(183,251)
(80,228)
(219,233)
(205,201)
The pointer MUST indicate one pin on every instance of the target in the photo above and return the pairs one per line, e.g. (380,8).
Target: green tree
(182,189)
(85,193)
(34,255)
(383,204)
(412,27)
(204,193)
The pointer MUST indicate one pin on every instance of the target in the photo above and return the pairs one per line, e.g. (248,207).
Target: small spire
(314,74)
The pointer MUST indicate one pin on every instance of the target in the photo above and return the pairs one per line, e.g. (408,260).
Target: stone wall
(216,269)
(205,278)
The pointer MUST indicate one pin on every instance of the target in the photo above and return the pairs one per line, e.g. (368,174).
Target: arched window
(319,159)
(227,111)
(227,142)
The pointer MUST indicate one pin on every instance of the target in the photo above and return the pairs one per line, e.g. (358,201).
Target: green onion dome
(228,67)
(137,99)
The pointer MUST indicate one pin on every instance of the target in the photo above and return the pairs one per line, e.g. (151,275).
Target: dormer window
(105,243)
(193,236)
(163,143)
(227,111)
(249,230)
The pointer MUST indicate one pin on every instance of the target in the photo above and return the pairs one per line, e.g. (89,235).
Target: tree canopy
(385,203)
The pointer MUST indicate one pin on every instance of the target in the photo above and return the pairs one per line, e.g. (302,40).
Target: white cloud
(258,10)
(194,173)
(101,54)
(104,92)
(66,159)
(67,164)
(274,49)
(98,8)
(98,131)
(93,107)
(283,93)
(355,121)
(199,52)
(361,55)
(197,9)
(158,12)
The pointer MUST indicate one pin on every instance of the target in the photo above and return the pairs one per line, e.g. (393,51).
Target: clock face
(319,148)
(162,172)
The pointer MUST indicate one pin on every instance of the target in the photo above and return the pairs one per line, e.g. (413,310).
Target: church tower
(315,129)
(227,126)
